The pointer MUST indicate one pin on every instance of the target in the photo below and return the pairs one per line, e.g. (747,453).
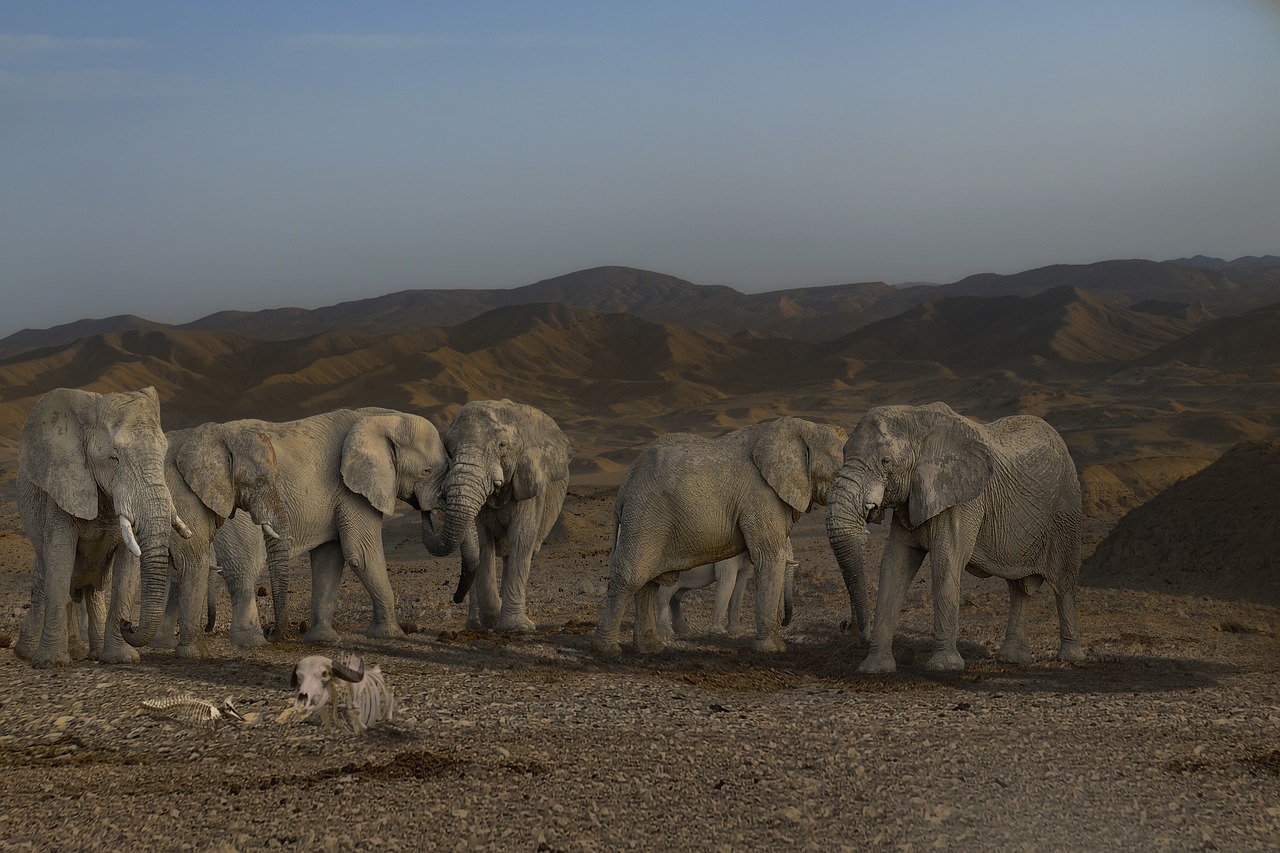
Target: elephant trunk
(152,537)
(465,490)
(470,562)
(279,549)
(847,533)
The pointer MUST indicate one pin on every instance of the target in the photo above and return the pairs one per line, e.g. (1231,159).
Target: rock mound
(1215,533)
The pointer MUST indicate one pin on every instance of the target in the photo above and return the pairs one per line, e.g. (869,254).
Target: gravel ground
(1167,737)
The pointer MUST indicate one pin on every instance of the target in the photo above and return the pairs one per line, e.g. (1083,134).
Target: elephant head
(100,456)
(499,452)
(799,460)
(230,467)
(921,459)
(388,455)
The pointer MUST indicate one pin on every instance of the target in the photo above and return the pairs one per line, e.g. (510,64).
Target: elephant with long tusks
(92,497)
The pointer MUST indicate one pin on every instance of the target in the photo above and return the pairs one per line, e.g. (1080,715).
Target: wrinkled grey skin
(212,471)
(688,500)
(86,461)
(999,499)
(508,476)
(730,577)
(341,473)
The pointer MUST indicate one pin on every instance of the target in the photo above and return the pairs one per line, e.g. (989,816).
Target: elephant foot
(320,634)
(164,642)
(771,645)
(274,634)
(606,648)
(665,632)
(79,651)
(718,630)
(122,653)
(1014,652)
(649,644)
(1071,653)
(26,647)
(482,621)
(515,623)
(385,631)
(189,651)
(945,660)
(250,638)
(47,660)
(863,634)
(681,628)
(878,662)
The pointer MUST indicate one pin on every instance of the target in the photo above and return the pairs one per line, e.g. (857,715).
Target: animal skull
(311,679)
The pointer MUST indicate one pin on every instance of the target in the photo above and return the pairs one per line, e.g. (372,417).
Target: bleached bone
(198,712)
(345,693)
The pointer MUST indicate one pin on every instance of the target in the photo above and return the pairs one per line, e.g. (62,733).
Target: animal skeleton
(346,693)
(199,712)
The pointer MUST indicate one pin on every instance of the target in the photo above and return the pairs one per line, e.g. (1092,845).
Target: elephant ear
(204,461)
(542,463)
(953,467)
(782,457)
(369,462)
(51,450)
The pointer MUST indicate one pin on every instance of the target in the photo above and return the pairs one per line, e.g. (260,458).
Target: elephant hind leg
(1069,648)
(1015,648)
(647,640)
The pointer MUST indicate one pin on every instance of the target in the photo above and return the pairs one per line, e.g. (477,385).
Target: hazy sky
(172,159)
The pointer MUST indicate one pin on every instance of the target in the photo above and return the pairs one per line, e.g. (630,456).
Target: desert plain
(1164,379)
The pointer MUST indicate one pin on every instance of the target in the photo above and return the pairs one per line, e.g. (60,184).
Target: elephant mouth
(875,514)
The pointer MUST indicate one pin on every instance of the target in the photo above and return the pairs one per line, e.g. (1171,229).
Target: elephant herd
(124,517)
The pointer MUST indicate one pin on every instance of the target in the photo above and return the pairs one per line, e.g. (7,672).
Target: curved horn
(346,673)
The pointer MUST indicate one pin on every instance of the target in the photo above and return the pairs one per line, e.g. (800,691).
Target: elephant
(688,500)
(213,470)
(507,482)
(730,577)
(91,492)
(340,475)
(998,499)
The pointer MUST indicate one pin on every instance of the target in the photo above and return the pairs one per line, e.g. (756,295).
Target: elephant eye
(886,462)
(502,445)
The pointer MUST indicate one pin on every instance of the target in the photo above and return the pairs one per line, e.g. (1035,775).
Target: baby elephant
(730,577)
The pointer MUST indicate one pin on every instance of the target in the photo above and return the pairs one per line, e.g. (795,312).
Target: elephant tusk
(130,541)
(181,526)
(270,532)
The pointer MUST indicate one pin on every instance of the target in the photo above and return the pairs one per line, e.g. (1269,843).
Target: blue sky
(171,159)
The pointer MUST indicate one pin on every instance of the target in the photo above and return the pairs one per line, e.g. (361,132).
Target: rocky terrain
(1166,737)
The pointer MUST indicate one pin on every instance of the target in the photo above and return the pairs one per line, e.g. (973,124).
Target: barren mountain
(1214,533)
(1128,281)
(1251,339)
(809,314)
(1063,324)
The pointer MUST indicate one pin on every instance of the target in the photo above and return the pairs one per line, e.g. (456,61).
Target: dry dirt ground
(1168,737)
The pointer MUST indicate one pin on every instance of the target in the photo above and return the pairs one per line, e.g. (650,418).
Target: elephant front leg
(953,547)
(59,562)
(897,568)
(192,579)
(770,568)
(326,577)
(515,576)
(1015,648)
(370,567)
(484,604)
